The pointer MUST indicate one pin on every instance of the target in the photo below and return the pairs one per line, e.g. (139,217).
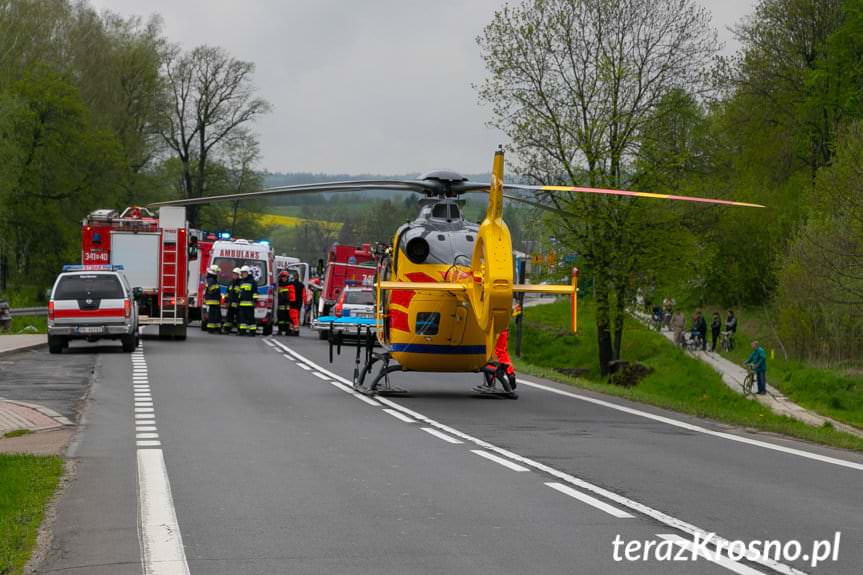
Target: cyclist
(668,308)
(758,360)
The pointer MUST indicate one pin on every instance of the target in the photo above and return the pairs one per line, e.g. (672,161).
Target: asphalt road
(272,465)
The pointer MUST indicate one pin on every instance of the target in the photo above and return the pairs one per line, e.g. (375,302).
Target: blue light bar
(224,235)
(264,242)
(93,268)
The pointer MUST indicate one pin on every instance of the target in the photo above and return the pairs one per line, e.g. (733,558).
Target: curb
(22,347)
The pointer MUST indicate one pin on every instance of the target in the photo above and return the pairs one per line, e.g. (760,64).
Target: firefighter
(296,303)
(282,314)
(231,319)
(246,303)
(213,300)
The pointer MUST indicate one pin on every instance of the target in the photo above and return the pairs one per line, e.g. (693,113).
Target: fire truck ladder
(168,306)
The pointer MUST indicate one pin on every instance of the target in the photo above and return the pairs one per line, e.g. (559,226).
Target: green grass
(836,392)
(27,483)
(678,382)
(24,323)
(17,433)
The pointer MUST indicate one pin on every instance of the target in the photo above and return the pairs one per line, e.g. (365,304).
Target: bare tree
(573,83)
(210,96)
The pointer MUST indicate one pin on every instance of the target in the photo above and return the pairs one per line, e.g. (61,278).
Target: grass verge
(678,382)
(835,391)
(28,324)
(27,483)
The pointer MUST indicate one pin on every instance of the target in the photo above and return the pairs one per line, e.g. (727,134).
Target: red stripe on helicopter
(399,320)
(402,297)
(421,277)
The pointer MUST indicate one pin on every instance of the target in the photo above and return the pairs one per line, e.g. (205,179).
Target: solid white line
(146,435)
(697,428)
(590,500)
(320,376)
(399,415)
(147,443)
(145,428)
(162,550)
(500,460)
(441,435)
(711,556)
(657,515)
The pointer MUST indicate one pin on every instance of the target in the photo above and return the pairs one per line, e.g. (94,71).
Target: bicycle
(726,344)
(748,381)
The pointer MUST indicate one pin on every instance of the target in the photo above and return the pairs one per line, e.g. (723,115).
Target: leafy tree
(573,83)
(209,98)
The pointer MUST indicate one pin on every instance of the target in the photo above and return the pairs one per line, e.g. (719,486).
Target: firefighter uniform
(282,314)
(233,297)
(296,304)
(246,304)
(213,300)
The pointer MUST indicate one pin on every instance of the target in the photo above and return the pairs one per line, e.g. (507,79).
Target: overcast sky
(377,86)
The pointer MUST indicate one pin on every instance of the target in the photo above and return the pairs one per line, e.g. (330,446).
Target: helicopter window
(428,323)
(417,250)
(440,212)
(441,237)
(453,212)
(469,238)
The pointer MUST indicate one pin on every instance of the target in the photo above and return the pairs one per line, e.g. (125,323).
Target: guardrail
(20,311)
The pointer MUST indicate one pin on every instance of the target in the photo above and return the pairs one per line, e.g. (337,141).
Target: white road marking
(144,415)
(364,398)
(399,415)
(320,376)
(146,428)
(143,410)
(441,435)
(146,435)
(143,404)
(698,428)
(590,500)
(143,395)
(304,366)
(500,460)
(712,556)
(664,518)
(162,550)
(147,443)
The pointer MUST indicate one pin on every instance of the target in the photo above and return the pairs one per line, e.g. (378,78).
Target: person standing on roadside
(283,300)
(246,306)
(232,300)
(731,327)
(678,324)
(758,360)
(213,300)
(715,328)
(296,305)
(701,329)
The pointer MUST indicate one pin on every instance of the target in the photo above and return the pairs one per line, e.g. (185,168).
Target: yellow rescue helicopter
(445,290)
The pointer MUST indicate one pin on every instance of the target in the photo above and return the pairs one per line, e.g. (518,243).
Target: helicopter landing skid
(497,382)
(380,383)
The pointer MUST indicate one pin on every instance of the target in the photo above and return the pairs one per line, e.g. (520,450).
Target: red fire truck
(346,265)
(155,254)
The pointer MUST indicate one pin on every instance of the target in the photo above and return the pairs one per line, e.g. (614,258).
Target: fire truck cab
(154,252)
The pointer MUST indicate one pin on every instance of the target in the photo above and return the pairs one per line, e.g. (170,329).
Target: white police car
(92,303)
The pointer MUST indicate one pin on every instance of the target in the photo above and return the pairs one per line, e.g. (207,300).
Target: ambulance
(236,253)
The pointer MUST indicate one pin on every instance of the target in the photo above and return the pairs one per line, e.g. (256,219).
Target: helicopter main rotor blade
(608,192)
(418,186)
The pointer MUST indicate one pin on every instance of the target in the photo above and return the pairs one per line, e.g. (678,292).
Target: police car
(92,302)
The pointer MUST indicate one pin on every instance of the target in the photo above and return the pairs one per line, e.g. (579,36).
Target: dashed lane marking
(441,435)
(590,500)
(320,376)
(146,435)
(626,502)
(499,460)
(400,415)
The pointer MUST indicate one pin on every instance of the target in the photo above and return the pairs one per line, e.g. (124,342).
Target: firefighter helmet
(283,274)
(236,271)
(214,269)
(246,269)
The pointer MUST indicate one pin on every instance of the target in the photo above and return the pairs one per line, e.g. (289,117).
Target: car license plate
(260,312)
(96,329)
(364,314)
